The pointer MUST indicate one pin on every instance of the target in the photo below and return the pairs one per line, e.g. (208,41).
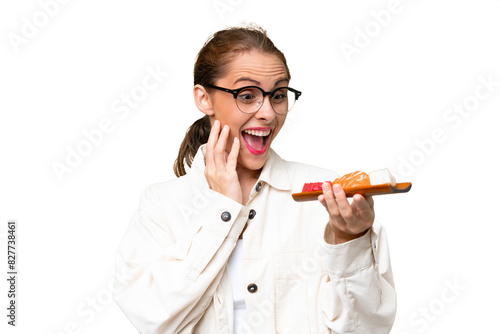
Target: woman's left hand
(347,221)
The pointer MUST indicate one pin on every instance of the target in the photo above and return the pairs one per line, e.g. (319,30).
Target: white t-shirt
(235,266)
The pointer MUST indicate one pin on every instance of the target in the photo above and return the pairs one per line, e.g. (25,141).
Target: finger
(369,199)
(214,132)
(342,202)
(328,201)
(331,203)
(321,199)
(363,206)
(233,155)
(220,149)
(212,140)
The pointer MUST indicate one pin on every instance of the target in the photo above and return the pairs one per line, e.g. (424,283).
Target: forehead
(264,68)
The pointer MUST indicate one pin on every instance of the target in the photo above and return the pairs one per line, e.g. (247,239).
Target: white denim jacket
(173,260)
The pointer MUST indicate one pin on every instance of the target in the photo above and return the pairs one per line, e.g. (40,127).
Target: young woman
(224,248)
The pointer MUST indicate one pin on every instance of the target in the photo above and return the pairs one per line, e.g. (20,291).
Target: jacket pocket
(291,284)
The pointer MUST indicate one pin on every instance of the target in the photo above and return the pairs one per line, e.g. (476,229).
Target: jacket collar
(273,173)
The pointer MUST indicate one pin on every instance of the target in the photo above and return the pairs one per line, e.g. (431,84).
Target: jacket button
(252,288)
(258,186)
(252,214)
(225,216)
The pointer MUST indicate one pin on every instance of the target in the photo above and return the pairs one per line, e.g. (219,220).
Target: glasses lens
(283,100)
(249,100)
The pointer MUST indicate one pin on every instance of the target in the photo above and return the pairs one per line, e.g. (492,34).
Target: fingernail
(337,189)
(226,127)
(216,122)
(326,187)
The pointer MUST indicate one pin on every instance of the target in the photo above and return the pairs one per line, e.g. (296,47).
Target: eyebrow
(257,82)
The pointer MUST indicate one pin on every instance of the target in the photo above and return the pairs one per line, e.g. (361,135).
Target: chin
(253,162)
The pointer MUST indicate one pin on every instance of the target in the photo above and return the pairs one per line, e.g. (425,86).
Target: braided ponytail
(196,135)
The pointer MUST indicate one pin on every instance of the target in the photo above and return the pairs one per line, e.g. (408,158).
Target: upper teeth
(260,133)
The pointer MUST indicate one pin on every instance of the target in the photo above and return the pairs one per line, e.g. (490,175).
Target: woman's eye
(278,98)
(246,97)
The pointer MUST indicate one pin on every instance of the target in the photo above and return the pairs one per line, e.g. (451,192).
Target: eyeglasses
(250,99)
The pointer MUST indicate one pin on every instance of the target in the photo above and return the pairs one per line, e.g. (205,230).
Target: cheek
(230,139)
(281,121)
(236,124)
(232,135)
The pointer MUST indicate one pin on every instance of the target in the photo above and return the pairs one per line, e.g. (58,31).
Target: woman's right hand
(220,167)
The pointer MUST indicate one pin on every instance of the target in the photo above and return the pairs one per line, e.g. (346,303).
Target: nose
(266,111)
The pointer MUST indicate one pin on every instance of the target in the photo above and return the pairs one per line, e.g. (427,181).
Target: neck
(245,174)
(247,179)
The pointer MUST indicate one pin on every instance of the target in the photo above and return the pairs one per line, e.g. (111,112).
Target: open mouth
(256,140)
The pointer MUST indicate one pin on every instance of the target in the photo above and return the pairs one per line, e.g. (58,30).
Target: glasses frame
(235,93)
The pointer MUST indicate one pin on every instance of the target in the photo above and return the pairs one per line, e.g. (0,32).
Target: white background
(363,111)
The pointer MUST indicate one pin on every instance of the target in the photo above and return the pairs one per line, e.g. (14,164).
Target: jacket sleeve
(170,267)
(359,296)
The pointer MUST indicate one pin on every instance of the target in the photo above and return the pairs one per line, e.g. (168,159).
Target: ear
(203,100)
